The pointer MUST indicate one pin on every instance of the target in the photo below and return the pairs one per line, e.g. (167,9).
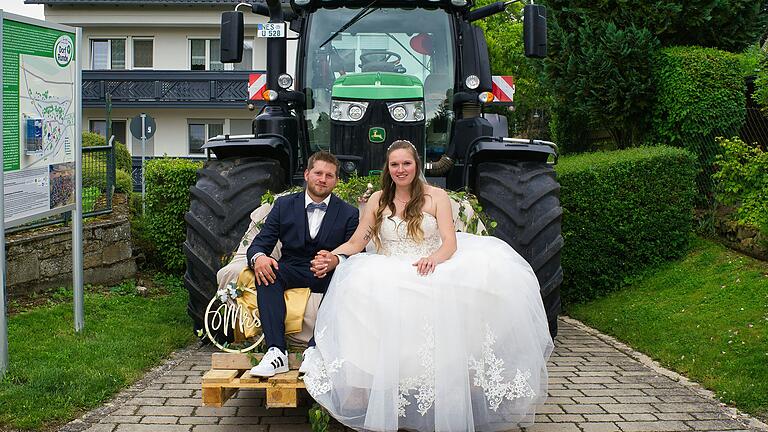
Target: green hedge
(622,212)
(699,93)
(167,200)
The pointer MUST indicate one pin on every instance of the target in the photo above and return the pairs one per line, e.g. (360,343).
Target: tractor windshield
(417,42)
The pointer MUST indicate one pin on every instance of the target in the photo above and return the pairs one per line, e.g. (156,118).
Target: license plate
(270,30)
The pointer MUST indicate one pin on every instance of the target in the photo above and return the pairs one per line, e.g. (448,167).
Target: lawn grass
(705,316)
(54,375)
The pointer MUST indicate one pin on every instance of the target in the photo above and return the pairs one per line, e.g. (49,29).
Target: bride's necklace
(401,200)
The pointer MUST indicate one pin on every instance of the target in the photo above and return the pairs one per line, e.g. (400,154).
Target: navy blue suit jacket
(287,222)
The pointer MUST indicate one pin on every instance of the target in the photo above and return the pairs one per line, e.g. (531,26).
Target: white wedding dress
(463,349)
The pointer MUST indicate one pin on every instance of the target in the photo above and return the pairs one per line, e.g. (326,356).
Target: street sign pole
(78,296)
(143,152)
(3,309)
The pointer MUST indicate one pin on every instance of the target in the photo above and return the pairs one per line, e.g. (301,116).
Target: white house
(161,57)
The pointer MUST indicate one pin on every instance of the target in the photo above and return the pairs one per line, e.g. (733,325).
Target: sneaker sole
(283,369)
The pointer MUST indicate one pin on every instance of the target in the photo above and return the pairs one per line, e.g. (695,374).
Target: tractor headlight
(459,3)
(348,110)
(355,112)
(406,111)
(284,81)
(472,82)
(399,113)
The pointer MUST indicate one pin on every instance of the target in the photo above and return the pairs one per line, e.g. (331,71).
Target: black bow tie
(316,206)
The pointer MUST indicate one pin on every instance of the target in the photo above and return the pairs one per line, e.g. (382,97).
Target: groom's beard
(321,193)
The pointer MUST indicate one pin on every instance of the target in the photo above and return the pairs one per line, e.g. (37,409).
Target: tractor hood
(377,86)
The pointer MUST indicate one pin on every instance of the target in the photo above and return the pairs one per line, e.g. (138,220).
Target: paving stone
(184,402)
(238,420)
(232,428)
(284,419)
(599,427)
(166,393)
(152,428)
(199,420)
(146,401)
(639,417)
(553,427)
(159,420)
(120,419)
(594,400)
(665,426)
(637,399)
(674,416)
(603,417)
(628,408)
(101,428)
(566,418)
(687,407)
(582,409)
(711,425)
(215,412)
(176,411)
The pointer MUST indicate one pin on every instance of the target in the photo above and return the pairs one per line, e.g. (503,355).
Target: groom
(306,222)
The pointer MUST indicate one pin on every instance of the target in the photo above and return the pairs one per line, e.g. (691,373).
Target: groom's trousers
(271,300)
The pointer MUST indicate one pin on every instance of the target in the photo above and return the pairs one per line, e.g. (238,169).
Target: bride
(437,331)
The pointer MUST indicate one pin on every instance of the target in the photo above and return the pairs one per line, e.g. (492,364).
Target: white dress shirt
(315,219)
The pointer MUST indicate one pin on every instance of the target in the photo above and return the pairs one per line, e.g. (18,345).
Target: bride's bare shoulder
(436,193)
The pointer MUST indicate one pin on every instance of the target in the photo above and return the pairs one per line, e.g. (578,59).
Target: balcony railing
(170,89)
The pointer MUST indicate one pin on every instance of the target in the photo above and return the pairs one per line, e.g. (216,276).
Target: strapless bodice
(395,240)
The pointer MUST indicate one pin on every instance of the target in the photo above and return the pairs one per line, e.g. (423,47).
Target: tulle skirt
(462,349)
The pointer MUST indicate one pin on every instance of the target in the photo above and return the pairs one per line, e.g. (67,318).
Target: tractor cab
(374,76)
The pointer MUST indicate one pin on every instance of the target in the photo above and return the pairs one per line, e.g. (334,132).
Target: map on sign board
(40,109)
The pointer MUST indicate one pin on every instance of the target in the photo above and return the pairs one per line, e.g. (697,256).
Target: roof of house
(136,2)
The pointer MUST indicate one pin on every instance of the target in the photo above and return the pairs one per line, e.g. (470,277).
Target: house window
(107,54)
(143,53)
(200,130)
(205,54)
(100,127)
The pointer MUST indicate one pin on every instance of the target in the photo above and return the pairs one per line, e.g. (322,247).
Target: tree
(603,74)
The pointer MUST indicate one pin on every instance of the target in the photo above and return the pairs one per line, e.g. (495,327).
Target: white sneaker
(308,353)
(275,361)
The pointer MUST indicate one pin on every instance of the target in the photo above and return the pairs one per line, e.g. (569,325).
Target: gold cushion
(295,303)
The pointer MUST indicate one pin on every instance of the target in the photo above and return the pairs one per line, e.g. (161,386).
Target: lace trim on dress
(396,242)
(424,384)
(488,376)
(318,380)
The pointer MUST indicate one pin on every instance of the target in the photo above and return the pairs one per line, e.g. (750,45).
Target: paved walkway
(596,384)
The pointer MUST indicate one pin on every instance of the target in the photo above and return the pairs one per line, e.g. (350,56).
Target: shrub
(601,73)
(167,200)
(123,181)
(622,212)
(699,96)
(742,179)
(122,155)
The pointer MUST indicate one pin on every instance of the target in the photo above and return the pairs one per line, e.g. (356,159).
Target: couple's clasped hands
(325,262)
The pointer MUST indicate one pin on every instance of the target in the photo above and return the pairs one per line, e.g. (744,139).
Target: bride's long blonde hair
(412,215)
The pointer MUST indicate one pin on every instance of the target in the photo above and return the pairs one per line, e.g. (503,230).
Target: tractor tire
(221,201)
(524,199)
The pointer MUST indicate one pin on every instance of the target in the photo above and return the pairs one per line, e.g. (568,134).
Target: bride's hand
(425,265)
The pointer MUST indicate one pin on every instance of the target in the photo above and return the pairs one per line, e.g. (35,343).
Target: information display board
(40,107)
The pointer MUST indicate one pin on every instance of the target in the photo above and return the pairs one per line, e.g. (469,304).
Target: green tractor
(369,72)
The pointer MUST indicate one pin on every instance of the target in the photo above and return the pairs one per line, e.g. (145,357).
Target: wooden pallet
(229,373)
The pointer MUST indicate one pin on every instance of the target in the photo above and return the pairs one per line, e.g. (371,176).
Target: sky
(18,7)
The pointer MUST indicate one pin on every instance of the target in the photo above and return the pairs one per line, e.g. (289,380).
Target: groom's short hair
(324,156)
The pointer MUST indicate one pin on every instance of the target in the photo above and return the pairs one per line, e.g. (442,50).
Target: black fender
(273,146)
(492,149)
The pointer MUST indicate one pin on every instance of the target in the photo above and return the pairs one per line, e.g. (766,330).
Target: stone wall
(41,259)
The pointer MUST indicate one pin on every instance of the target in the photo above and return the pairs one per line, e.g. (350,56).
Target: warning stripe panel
(503,88)
(257,83)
